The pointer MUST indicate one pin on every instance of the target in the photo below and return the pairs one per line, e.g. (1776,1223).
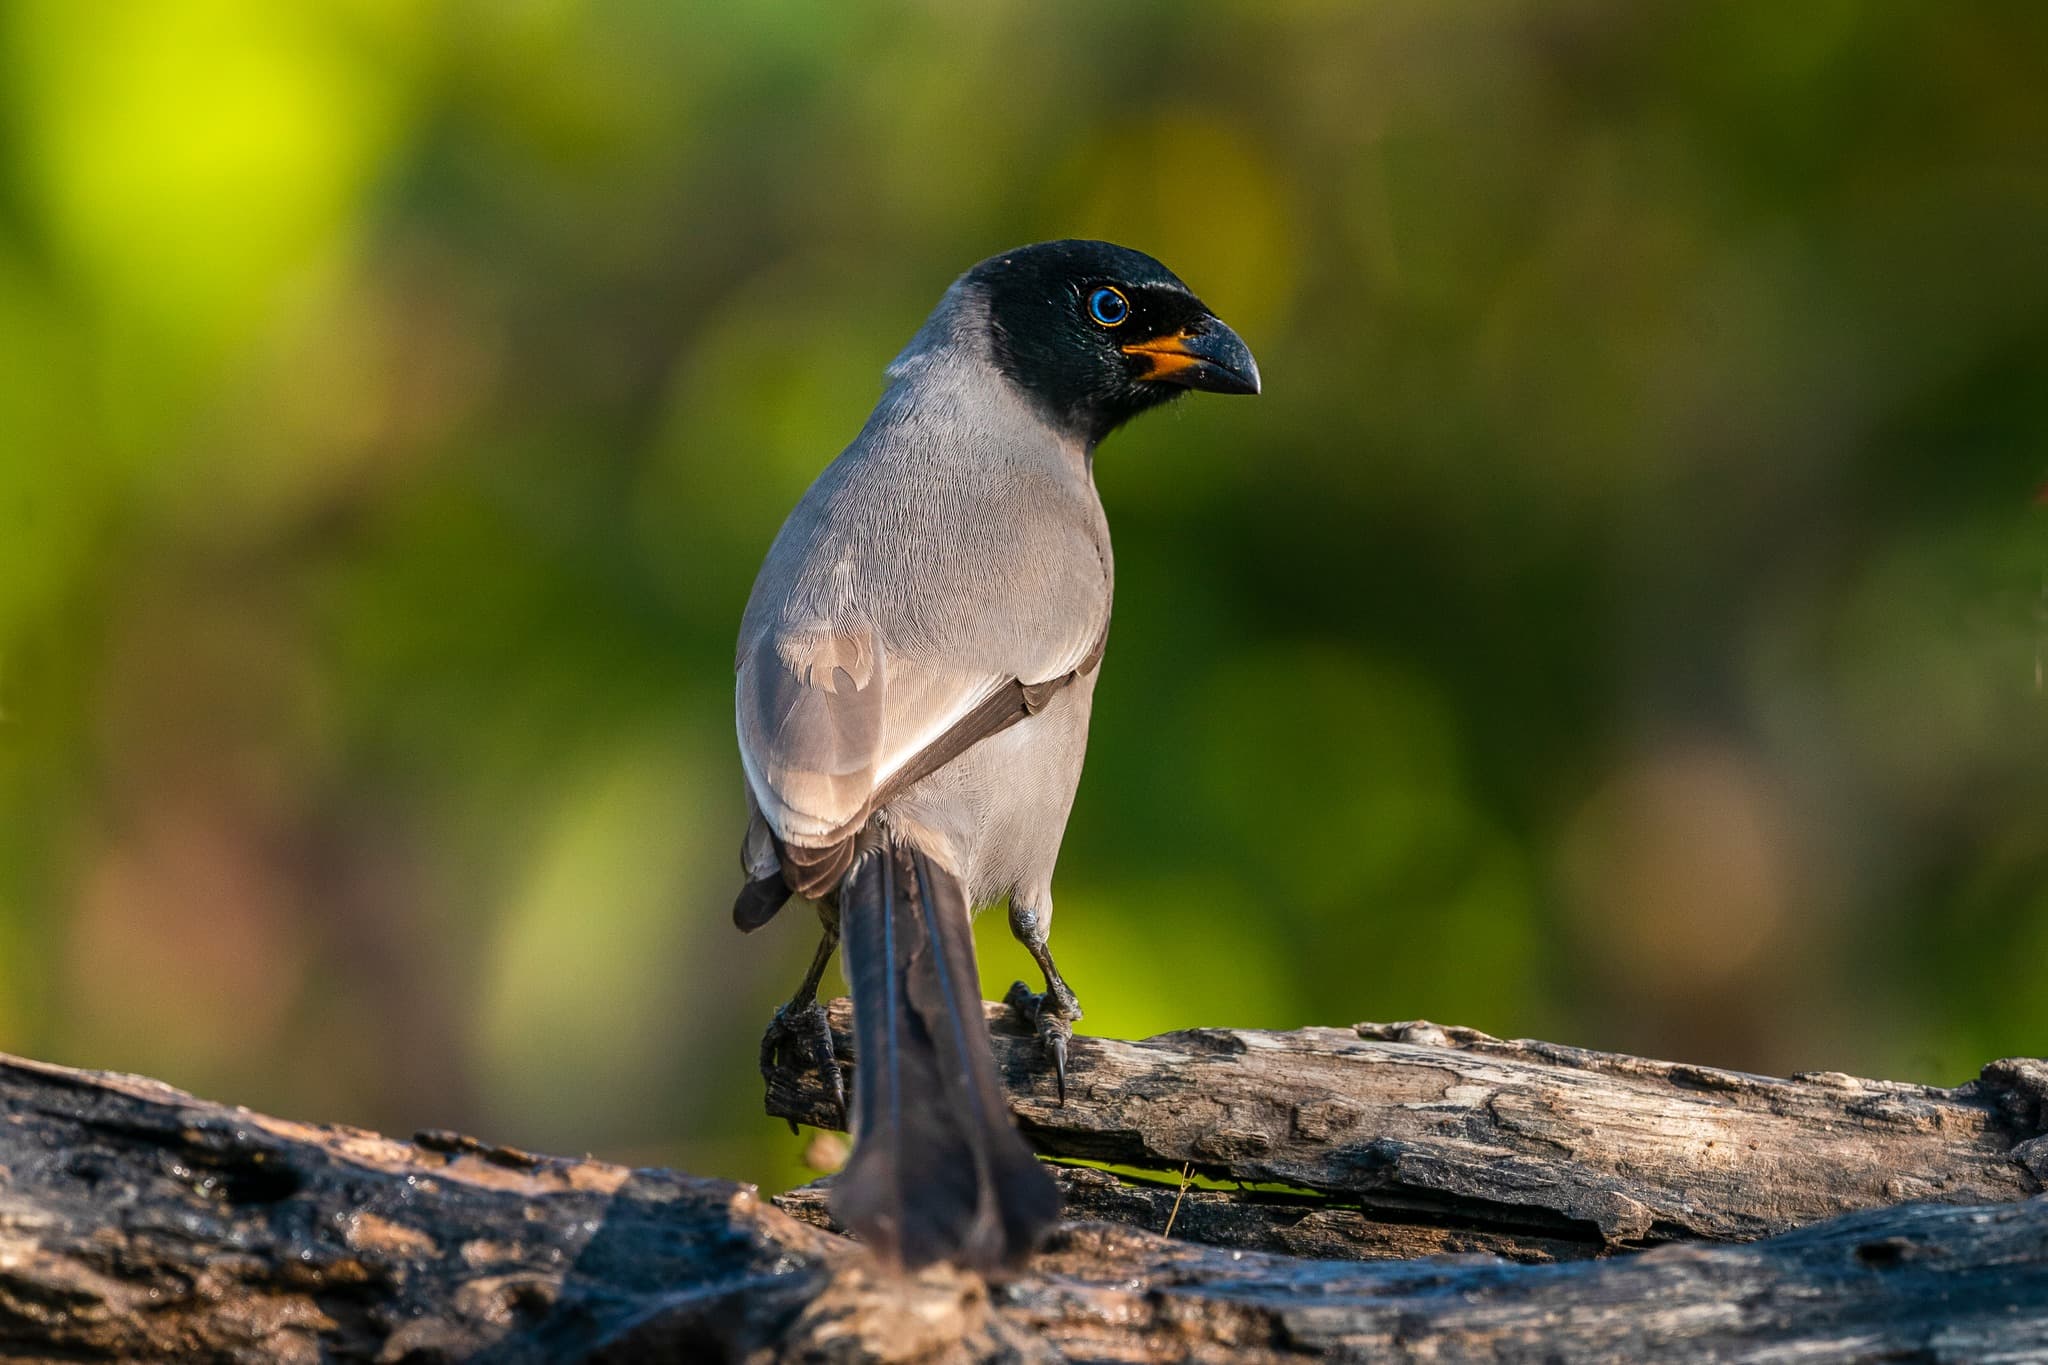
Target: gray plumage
(955,548)
(916,667)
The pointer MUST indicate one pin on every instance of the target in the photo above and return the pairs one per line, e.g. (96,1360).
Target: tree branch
(1524,1149)
(137,1222)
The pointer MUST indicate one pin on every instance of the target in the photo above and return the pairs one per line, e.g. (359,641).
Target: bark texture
(140,1223)
(1538,1151)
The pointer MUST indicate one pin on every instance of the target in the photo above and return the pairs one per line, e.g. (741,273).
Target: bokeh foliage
(1620,619)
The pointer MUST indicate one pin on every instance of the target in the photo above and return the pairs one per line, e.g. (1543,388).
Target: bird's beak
(1207,355)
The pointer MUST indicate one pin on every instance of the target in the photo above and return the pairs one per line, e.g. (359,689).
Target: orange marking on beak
(1166,356)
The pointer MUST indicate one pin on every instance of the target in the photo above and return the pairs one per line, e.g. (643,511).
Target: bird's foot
(1052,1015)
(800,1037)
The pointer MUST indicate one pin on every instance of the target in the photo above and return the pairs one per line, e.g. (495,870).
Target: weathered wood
(1278,1222)
(139,1223)
(1928,1283)
(1531,1145)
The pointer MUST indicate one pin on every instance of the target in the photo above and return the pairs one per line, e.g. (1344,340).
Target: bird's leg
(800,1035)
(1052,1013)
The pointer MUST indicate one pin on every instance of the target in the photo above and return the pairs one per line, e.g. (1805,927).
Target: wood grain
(140,1223)
(1531,1144)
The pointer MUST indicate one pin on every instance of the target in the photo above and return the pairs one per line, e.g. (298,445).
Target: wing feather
(818,750)
(933,586)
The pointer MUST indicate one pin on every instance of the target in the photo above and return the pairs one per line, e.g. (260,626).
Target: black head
(1096,333)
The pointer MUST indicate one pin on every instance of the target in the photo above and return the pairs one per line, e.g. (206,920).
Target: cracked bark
(1531,1150)
(139,1223)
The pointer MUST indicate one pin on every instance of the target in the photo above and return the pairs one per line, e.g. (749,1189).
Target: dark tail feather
(939,1172)
(759,901)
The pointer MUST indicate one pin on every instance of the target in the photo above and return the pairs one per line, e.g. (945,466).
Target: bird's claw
(800,1038)
(1054,1032)
(1051,1015)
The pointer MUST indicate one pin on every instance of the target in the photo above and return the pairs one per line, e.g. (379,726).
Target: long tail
(939,1172)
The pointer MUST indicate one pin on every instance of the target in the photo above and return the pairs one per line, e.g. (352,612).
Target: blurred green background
(1621,619)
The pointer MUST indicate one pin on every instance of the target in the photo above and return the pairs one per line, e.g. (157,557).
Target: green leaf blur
(1621,619)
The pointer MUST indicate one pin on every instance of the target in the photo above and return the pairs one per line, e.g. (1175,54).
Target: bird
(913,680)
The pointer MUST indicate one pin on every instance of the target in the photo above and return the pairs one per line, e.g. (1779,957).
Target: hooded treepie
(916,667)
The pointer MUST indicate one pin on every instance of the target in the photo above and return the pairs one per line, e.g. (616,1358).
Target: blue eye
(1108,306)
